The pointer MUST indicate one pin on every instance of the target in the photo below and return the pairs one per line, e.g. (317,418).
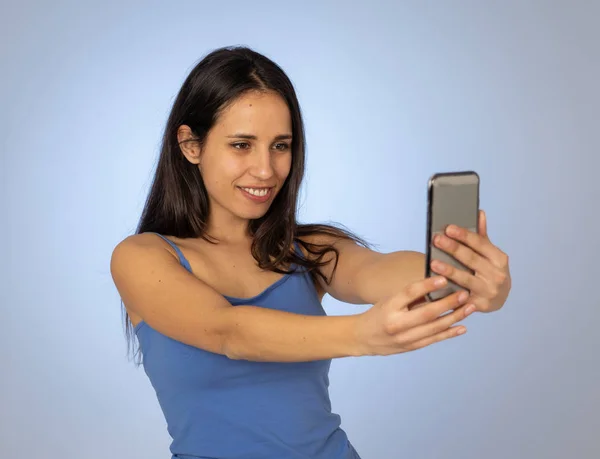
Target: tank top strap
(184,262)
(297,249)
(301,254)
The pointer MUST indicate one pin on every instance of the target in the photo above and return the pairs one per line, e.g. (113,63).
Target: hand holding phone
(452,199)
(458,246)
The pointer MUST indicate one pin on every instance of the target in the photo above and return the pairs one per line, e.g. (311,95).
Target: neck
(229,231)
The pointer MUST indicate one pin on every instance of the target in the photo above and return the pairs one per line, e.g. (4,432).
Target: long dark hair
(178,204)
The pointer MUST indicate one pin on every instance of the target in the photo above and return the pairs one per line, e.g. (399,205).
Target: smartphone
(452,198)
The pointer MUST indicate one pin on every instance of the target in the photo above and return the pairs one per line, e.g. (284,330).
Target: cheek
(221,173)
(283,166)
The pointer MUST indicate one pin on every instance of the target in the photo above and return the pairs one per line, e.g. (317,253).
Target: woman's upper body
(225,193)
(218,407)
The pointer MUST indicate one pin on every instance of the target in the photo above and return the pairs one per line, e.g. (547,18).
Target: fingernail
(440,281)
(461,331)
(470,309)
(442,242)
(438,266)
(462,296)
(452,230)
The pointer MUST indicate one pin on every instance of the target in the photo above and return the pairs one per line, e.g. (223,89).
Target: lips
(257,194)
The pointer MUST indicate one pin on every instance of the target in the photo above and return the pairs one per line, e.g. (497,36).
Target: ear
(189,145)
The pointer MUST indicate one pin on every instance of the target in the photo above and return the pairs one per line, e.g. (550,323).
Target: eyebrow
(240,135)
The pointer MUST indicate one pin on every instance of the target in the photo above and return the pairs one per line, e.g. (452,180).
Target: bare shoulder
(157,289)
(138,247)
(132,256)
(144,240)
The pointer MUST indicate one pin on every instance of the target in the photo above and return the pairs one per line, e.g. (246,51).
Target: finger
(432,311)
(417,303)
(452,332)
(462,251)
(476,285)
(482,224)
(478,242)
(415,291)
(437,326)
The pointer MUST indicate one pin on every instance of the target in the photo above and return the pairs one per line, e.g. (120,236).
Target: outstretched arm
(364,276)
(153,284)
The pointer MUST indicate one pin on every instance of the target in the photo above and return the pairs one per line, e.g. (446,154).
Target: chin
(253,215)
(253,211)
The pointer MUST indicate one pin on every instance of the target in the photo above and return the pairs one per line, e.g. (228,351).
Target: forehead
(256,112)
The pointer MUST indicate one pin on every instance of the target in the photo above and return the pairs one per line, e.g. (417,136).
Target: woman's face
(246,157)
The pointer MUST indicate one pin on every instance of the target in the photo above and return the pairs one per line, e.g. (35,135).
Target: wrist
(360,346)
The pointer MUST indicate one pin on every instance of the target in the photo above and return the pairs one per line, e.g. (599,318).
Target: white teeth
(256,192)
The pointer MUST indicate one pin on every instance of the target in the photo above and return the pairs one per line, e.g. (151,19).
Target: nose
(262,164)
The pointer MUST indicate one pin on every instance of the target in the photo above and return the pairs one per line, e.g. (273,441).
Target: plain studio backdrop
(392,92)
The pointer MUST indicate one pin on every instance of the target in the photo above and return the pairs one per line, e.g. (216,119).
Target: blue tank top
(216,407)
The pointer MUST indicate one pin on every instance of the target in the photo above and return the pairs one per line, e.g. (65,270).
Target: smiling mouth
(257,195)
(258,192)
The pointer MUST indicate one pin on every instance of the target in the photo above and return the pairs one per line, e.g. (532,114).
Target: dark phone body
(452,198)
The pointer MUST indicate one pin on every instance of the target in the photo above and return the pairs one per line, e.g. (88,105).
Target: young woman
(223,287)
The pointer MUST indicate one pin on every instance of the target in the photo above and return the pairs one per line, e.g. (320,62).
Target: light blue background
(391,92)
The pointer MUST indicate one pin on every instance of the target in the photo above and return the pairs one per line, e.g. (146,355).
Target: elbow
(235,347)
(225,333)
(230,344)
(238,339)
(229,350)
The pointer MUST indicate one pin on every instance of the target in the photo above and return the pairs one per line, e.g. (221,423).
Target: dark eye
(282,146)
(241,145)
